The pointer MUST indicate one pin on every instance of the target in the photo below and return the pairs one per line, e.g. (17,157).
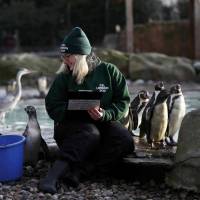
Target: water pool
(16,120)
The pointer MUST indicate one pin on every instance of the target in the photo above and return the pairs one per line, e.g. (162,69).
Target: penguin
(42,84)
(11,87)
(144,126)
(34,141)
(176,112)
(158,120)
(137,107)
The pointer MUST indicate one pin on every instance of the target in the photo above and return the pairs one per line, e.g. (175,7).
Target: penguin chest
(33,136)
(140,116)
(176,115)
(159,122)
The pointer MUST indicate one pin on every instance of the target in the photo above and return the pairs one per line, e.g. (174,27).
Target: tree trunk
(129,26)
(69,15)
(107,17)
(196,6)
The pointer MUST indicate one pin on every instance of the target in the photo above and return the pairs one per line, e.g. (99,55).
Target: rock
(120,59)
(154,66)
(196,66)
(145,66)
(9,65)
(111,41)
(185,173)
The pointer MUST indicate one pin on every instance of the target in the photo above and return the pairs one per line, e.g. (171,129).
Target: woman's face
(69,60)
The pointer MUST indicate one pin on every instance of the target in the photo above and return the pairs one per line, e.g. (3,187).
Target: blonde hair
(84,64)
(81,68)
(62,68)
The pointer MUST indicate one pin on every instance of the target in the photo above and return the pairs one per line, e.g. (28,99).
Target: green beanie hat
(76,42)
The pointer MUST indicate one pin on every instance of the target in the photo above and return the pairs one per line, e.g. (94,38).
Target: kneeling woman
(94,135)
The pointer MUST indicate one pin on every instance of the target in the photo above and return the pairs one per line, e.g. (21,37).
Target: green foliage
(36,21)
(144,10)
(43,23)
(183,6)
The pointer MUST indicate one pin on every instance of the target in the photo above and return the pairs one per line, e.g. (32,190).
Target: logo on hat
(63,48)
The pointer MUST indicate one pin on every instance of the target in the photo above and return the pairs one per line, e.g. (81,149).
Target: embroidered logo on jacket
(102,88)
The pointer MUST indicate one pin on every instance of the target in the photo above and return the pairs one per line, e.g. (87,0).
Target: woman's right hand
(96,113)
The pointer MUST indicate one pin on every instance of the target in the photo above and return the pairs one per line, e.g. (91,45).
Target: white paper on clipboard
(82,104)
(83,100)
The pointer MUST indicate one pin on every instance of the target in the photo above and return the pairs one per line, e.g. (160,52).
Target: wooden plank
(165,162)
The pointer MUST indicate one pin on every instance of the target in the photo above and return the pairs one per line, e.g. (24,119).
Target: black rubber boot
(49,183)
(72,180)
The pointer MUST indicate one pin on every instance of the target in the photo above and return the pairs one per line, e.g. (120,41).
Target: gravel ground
(127,186)
(127,183)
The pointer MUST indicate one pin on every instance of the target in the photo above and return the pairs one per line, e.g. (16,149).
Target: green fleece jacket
(105,78)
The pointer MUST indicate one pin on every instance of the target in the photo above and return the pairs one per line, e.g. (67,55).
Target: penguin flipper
(168,104)
(167,130)
(142,126)
(169,110)
(25,132)
(148,123)
(45,149)
(135,120)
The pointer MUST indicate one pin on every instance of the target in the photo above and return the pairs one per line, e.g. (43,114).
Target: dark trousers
(103,143)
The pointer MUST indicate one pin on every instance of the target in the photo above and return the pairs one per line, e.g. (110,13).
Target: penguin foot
(152,145)
(173,142)
(158,145)
(163,144)
(167,140)
(170,142)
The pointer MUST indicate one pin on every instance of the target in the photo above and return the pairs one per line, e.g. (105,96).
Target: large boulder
(118,58)
(185,173)
(154,66)
(146,66)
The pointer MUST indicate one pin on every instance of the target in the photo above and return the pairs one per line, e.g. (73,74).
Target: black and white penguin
(158,119)
(34,141)
(176,112)
(144,126)
(137,107)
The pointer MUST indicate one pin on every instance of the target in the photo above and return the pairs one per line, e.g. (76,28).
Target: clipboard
(83,99)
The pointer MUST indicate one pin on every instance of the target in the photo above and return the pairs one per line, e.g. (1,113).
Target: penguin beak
(147,95)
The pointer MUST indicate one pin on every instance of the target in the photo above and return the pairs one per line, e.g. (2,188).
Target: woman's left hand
(96,113)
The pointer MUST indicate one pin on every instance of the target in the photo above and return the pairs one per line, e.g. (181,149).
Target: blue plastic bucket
(11,157)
